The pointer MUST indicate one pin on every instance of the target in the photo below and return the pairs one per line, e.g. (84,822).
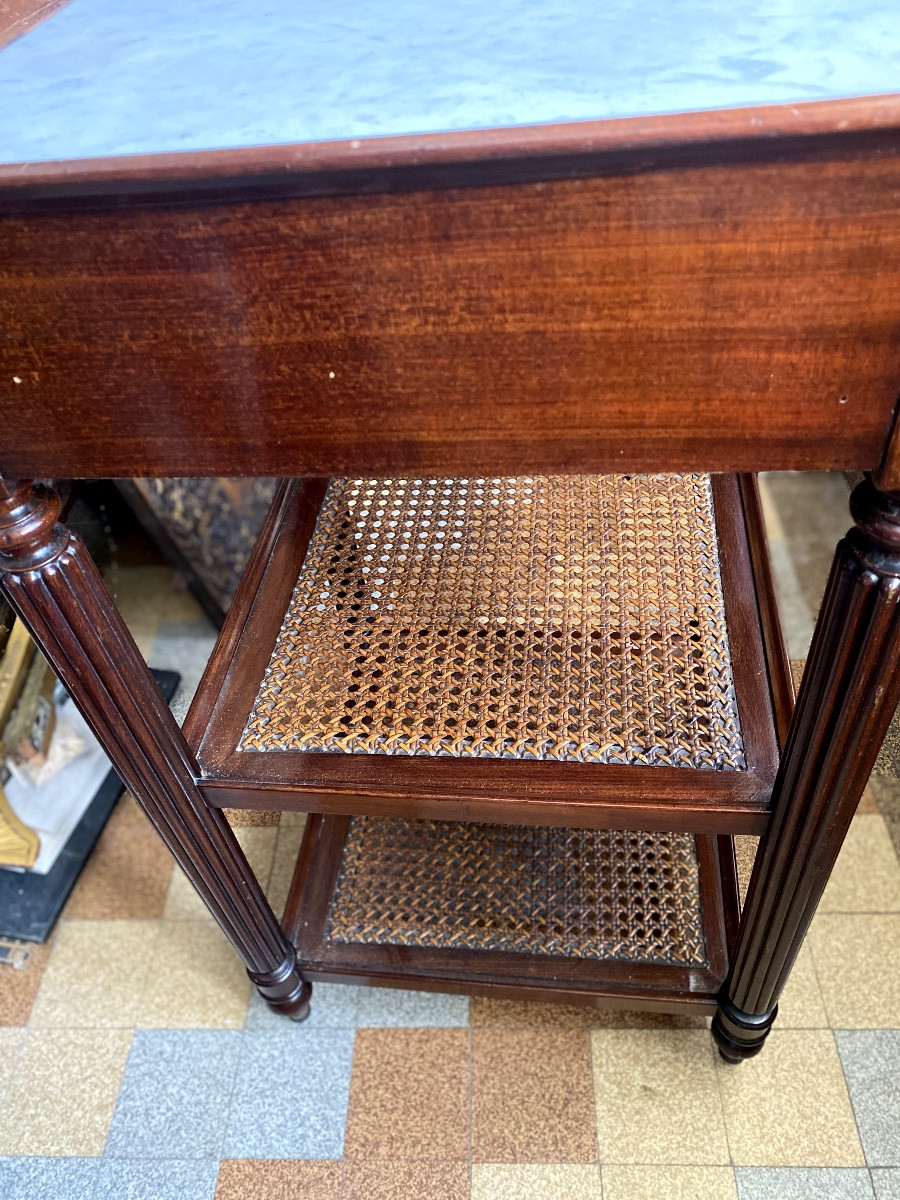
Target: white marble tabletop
(112,77)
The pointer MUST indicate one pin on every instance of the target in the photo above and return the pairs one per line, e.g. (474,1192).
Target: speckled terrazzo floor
(135,1063)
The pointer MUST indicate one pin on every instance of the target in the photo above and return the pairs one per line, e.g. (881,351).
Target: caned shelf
(570,651)
(578,915)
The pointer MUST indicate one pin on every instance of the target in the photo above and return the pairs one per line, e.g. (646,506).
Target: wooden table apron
(710,292)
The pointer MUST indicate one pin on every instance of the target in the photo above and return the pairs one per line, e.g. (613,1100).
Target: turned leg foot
(739,1035)
(284,989)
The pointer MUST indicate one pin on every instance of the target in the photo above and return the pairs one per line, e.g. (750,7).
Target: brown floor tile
(405,1181)
(536,1181)
(61,1096)
(128,872)
(669,1183)
(18,987)
(657,1101)
(250,818)
(408,1095)
(489,1013)
(532,1096)
(789,1106)
(278,1179)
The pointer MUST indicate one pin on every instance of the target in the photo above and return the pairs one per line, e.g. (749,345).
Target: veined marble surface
(106,77)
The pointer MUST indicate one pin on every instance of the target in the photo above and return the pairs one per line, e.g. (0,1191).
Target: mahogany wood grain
(504,790)
(51,582)
(714,317)
(848,695)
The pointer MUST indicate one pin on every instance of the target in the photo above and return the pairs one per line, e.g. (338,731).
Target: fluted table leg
(55,588)
(848,695)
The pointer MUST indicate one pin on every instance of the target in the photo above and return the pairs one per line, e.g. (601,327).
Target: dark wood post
(848,695)
(55,588)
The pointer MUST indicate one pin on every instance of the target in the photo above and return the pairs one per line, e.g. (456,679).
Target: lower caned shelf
(611,917)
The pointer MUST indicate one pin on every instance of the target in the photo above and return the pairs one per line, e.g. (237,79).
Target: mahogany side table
(578,268)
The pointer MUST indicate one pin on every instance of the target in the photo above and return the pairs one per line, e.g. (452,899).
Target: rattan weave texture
(598,894)
(577,618)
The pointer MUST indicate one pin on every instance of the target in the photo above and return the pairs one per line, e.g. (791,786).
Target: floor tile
(96,975)
(489,1013)
(128,872)
(866,876)
(527,1181)
(885,789)
(656,1097)
(11,1042)
(19,985)
(175,1095)
(871,1061)
(801,1005)
(195,980)
(182,902)
(62,1093)
(803,1183)
(532,1096)
(887,1183)
(395,1007)
(48,1178)
(409,1095)
(789,1106)
(279,1179)
(290,1094)
(384,1180)
(156,1179)
(854,957)
(287,847)
(333,1006)
(668,1183)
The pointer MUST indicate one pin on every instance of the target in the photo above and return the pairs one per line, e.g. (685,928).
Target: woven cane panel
(556,892)
(576,618)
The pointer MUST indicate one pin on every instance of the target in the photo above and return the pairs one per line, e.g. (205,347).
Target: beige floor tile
(11,1041)
(801,1005)
(195,981)
(789,1106)
(182,901)
(856,960)
(656,1097)
(866,876)
(526,1181)
(286,849)
(669,1183)
(62,1093)
(96,975)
